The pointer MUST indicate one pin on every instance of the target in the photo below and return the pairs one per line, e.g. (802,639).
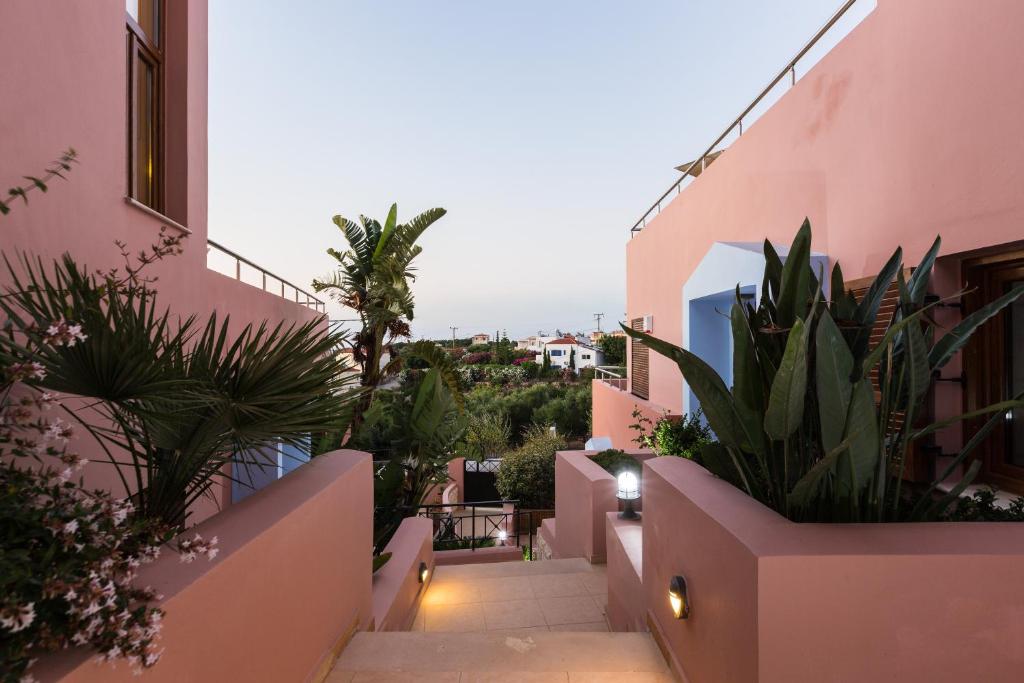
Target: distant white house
(481,338)
(565,350)
(534,343)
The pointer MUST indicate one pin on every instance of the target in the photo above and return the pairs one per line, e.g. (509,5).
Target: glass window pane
(146,14)
(145,133)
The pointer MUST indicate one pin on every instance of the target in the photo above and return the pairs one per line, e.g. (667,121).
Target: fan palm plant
(806,428)
(374,280)
(173,405)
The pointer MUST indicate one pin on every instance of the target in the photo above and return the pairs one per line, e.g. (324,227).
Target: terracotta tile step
(487,654)
(496,569)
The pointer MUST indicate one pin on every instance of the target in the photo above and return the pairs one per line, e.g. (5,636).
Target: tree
(546,367)
(374,280)
(614,349)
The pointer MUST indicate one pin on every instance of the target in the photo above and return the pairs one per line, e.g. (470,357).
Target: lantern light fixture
(629,490)
(678,597)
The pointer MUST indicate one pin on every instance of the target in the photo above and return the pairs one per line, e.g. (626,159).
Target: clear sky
(544,127)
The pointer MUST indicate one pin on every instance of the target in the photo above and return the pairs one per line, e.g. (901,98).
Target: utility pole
(453,336)
(598,316)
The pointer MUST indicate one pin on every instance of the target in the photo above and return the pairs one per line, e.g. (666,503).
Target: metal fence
(483,524)
(263,277)
(695,167)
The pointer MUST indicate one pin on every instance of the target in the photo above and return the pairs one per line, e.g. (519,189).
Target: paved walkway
(523,622)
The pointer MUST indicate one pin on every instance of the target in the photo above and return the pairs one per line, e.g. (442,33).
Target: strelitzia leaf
(786,401)
(796,275)
(955,339)
(833,368)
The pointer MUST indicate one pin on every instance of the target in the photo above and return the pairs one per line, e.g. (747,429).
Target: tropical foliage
(818,422)
(170,402)
(563,406)
(527,474)
(374,280)
(684,436)
(413,434)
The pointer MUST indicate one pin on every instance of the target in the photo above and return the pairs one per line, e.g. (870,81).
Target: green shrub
(488,435)
(527,474)
(565,406)
(684,437)
(463,543)
(616,462)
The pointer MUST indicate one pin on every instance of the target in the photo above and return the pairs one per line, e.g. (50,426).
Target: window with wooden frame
(145,101)
(994,365)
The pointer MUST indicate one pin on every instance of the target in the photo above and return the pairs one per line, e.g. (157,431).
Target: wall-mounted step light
(678,598)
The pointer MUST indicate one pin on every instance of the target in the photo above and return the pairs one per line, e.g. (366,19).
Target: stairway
(528,622)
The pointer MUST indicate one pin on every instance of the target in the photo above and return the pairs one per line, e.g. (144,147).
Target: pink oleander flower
(17,372)
(16,618)
(191,549)
(63,333)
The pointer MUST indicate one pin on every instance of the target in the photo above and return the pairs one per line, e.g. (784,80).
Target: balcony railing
(263,277)
(614,376)
(695,167)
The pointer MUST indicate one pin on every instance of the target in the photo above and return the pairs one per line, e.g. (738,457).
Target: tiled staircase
(530,622)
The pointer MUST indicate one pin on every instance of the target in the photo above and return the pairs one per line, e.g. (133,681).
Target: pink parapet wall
(397,589)
(291,584)
(584,494)
(778,602)
(612,410)
(902,132)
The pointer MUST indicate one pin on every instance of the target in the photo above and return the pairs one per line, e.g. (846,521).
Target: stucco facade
(75,95)
(892,138)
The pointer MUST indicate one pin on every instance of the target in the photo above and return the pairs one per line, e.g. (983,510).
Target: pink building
(129,93)
(892,138)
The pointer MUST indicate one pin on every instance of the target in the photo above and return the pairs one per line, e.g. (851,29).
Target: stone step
(540,657)
(498,569)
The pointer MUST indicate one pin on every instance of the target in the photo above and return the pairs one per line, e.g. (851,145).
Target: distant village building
(481,338)
(560,351)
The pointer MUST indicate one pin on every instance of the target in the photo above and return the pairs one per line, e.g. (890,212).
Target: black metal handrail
(789,69)
(307,299)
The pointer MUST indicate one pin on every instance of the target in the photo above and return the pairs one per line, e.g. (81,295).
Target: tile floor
(560,601)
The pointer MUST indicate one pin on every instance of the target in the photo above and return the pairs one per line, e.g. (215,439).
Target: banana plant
(373,279)
(818,422)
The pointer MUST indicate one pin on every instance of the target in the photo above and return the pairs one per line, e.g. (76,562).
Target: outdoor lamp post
(629,490)
(502,536)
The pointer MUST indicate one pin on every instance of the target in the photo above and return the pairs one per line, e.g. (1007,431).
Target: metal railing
(287,288)
(709,154)
(483,524)
(610,375)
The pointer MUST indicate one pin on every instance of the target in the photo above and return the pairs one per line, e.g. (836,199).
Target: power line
(598,316)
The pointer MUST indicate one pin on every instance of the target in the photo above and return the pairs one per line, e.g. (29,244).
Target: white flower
(71,527)
(18,618)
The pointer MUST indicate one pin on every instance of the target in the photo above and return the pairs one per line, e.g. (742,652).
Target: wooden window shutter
(639,371)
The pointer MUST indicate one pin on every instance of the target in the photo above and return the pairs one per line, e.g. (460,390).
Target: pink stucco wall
(396,586)
(626,607)
(69,89)
(290,584)
(584,494)
(612,410)
(775,601)
(903,131)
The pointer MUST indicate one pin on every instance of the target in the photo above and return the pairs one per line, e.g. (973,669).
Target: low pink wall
(584,492)
(612,411)
(290,584)
(624,544)
(777,601)
(396,586)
